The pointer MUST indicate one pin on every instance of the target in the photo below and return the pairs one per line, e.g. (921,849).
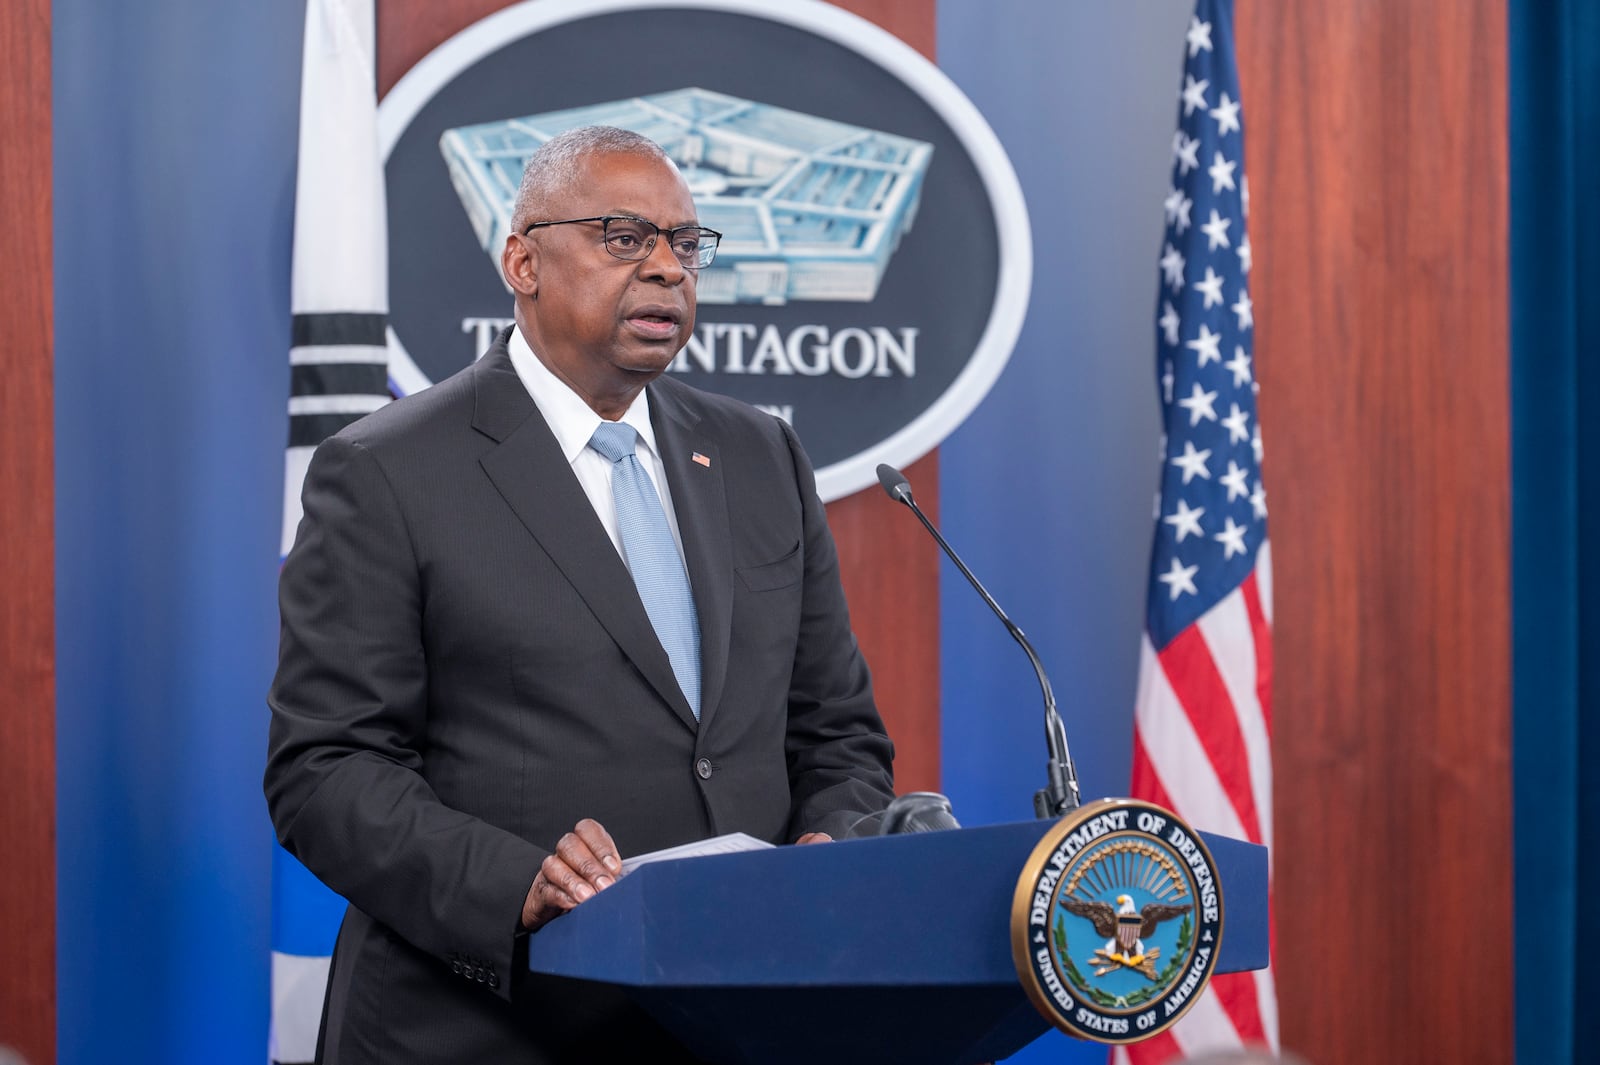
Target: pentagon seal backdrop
(876,259)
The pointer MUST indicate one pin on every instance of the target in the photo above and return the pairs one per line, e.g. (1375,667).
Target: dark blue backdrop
(1555,476)
(175,129)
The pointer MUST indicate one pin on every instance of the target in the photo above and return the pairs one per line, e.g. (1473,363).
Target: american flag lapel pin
(701,459)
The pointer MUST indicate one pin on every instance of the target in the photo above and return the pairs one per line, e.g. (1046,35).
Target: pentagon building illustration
(808,208)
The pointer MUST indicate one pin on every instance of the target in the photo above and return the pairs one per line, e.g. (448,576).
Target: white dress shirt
(573,422)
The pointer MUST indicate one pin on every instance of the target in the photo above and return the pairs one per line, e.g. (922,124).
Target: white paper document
(729,844)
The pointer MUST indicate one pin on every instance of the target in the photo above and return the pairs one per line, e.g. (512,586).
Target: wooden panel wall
(891,568)
(27,524)
(1377,154)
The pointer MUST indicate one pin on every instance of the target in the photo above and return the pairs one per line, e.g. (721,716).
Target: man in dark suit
(481,702)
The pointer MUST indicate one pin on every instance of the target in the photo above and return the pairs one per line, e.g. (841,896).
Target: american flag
(1203,723)
(338,368)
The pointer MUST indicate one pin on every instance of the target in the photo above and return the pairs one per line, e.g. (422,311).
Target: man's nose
(659,262)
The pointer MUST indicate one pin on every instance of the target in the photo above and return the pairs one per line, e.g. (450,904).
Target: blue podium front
(883,950)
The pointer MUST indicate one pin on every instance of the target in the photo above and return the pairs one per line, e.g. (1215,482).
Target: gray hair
(553,168)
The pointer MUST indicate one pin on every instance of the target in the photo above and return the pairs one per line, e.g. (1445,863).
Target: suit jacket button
(494,980)
(455,967)
(703,767)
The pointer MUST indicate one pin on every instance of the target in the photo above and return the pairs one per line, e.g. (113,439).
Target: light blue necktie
(652,556)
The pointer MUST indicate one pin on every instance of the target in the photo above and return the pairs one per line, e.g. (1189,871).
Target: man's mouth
(654,323)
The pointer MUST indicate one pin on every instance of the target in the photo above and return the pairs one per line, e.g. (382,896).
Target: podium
(894,949)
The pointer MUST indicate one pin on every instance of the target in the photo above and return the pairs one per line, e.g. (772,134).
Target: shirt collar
(571,419)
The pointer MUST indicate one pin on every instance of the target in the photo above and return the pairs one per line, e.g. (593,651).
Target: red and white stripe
(1202,746)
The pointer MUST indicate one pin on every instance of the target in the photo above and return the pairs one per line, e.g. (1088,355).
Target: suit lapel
(534,478)
(701,507)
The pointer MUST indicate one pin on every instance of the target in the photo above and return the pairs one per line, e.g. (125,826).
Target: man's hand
(585,861)
(814,837)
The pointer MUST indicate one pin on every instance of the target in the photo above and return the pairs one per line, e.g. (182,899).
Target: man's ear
(519,264)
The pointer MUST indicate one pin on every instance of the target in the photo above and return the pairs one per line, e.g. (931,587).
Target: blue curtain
(1555,384)
(174,143)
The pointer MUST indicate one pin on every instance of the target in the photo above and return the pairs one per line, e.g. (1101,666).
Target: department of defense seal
(1116,921)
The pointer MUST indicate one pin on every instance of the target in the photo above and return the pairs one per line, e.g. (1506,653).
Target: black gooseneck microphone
(1060,795)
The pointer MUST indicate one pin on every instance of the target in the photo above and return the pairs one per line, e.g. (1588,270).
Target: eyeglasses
(634,239)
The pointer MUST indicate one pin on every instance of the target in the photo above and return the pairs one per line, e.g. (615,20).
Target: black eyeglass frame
(649,246)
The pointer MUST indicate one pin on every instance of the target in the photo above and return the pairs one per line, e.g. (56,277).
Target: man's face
(606,324)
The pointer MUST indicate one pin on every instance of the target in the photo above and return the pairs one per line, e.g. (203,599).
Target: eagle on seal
(1122,925)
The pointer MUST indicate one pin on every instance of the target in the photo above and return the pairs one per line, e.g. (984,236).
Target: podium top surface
(930,909)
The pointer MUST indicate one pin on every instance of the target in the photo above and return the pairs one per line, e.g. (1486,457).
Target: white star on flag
(1181,223)
(1172,265)
(1216,231)
(1177,207)
(1244,254)
(1221,171)
(1199,36)
(1244,309)
(1199,405)
(1227,115)
(1169,322)
(1194,94)
(1255,443)
(1258,501)
(1240,365)
(1234,423)
(1206,345)
(1170,205)
(1232,539)
(1180,579)
(1211,288)
(1185,520)
(1192,462)
(1187,151)
(1234,480)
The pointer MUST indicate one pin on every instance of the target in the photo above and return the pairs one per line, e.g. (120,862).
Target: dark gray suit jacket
(466,671)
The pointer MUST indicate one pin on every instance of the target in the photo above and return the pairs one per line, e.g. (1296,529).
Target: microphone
(917,811)
(1060,793)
